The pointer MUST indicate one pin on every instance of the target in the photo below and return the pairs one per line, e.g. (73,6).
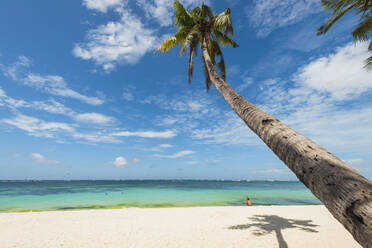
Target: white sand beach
(260,226)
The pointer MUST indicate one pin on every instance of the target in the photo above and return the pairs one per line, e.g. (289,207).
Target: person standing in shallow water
(248,201)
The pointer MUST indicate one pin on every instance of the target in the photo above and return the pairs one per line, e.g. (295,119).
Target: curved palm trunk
(345,193)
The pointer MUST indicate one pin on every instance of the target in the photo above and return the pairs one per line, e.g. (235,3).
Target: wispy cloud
(128,95)
(51,84)
(161,147)
(39,128)
(40,159)
(94,118)
(56,130)
(102,5)
(227,129)
(54,107)
(146,134)
(175,155)
(165,146)
(268,15)
(14,70)
(56,85)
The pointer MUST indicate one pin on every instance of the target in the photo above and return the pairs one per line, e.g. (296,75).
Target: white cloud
(175,155)
(125,41)
(166,146)
(120,162)
(324,105)
(340,74)
(247,81)
(95,137)
(229,129)
(128,96)
(56,130)
(38,127)
(102,5)
(268,15)
(52,84)
(57,86)
(162,10)
(146,134)
(54,107)
(40,159)
(14,70)
(51,106)
(94,118)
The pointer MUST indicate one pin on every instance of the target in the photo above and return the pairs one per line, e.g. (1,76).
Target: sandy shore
(274,226)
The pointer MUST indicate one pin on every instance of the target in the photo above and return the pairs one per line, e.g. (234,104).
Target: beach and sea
(165,213)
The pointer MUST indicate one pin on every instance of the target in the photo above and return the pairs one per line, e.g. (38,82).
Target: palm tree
(363,31)
(346,194)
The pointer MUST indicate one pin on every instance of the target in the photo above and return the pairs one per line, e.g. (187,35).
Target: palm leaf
(224,39)
(182,17)
(334,18)
(363,31)
(193,34)
(193,51)
(208,81)
(206,11)
(368,61)
(336,5)
(222,22)
(221,64)
(168,44)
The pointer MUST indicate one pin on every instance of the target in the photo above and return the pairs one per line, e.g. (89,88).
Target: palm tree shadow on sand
(266,224)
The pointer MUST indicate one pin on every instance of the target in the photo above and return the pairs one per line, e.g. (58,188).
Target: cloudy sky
(84,96)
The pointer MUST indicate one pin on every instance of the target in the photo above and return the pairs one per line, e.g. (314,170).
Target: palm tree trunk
(345,193)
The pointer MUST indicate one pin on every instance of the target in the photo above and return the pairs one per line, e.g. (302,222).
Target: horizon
(85,96)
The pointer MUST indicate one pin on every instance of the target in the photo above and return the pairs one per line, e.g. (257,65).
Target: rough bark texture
(345,193)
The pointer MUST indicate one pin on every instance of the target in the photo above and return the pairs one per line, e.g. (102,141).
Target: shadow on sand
(266,224)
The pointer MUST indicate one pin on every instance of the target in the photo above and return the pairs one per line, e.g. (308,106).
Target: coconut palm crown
(198,26)
(363,31)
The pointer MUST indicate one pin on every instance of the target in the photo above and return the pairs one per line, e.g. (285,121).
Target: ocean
(20,196)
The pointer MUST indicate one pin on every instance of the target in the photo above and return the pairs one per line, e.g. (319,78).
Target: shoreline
(145,207)
(223,226)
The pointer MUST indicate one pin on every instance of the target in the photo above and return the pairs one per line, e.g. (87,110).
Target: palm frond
(206,11)
(196,14)
(368,61)
(182,34)
(193,47)
(182,16)
(224,39)
(168,44)
(222,22)
(334,18)
(208,81)
(363,31)
(211,51)
(192,35)
(336,5)
(221,64)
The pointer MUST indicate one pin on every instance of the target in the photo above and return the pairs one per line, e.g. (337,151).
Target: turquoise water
(67,195)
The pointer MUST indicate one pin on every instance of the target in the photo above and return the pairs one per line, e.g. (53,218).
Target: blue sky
(84,96)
